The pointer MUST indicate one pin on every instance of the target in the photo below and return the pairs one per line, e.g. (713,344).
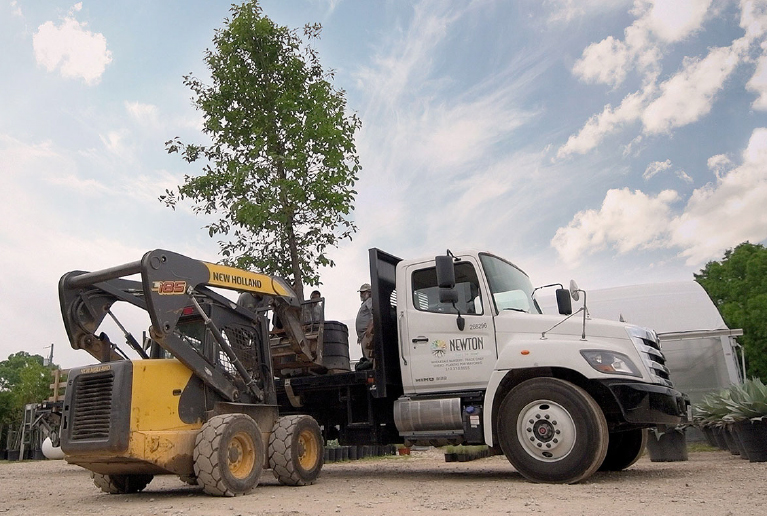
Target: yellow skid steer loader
(200,403)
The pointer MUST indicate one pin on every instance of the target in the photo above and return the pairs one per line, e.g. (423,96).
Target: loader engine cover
(133,417)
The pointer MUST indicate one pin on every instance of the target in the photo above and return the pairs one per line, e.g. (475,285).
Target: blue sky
(614,141)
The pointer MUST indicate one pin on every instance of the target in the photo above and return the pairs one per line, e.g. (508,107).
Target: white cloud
(685,97)
(716,217)
(626,221)
(146,114)
(731,211)
(15,8)
(564,11)
(114,141)
(86,187)
(758,83)
(659,22)
(753,18)
(672,20)
(604,62)
(607,122)
(655,167)
(719,164)
(689,95)
(72,49)
(681,174)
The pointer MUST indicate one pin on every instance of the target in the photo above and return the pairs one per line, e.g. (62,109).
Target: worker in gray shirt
(364,326)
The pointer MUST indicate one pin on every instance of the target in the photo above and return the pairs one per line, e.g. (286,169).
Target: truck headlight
(610,362)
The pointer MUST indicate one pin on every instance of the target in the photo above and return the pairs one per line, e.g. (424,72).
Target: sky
(614,142)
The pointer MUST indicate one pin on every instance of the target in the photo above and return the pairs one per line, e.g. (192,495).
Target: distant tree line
(23,379)
(737,285)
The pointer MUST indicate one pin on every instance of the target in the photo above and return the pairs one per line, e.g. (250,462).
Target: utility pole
(48,361)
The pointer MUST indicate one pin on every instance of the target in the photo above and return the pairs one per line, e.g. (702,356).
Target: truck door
(439,356)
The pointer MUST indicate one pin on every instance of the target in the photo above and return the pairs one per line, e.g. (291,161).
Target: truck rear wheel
(624,449)
(121,484)
(296,452)
(228,455)
(552,431)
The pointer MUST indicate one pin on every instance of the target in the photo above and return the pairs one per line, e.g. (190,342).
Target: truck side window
(426,291)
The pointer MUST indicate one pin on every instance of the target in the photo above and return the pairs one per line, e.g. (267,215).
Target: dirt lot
(710,483)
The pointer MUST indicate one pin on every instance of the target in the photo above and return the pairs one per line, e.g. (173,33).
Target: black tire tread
(207,467)
(283,456)
(121,484)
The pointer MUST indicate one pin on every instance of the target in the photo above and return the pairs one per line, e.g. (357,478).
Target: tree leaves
(282,164)
(738,287)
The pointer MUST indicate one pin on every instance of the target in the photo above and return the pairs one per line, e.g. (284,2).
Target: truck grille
(92,410)
(648,345)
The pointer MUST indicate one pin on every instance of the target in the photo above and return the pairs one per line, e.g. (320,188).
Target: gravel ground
(710,483)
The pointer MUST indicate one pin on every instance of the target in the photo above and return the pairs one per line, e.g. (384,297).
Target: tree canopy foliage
(738,286)
(282,162)
(23,379)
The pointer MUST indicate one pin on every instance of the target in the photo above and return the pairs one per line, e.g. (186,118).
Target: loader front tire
(296,451)
(228,455)
(121,484)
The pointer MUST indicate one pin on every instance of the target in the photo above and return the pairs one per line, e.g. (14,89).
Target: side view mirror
(445,271)
(574,290)
(563,301)
(446,283)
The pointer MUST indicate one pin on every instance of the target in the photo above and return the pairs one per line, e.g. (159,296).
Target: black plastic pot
(708,433)
(718,432)
(730,440)
(670,446)
(335,354)
(753,436)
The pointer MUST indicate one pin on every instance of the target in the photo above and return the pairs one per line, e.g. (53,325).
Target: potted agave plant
(667,444)
(748,413)
(712,413)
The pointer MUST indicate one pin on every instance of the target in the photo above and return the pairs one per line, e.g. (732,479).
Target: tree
(738,286)
(282,162)
(23,379)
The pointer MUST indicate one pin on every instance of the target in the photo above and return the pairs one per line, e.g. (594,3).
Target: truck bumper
(646,403)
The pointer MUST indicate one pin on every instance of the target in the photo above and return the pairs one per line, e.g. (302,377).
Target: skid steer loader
(200,403)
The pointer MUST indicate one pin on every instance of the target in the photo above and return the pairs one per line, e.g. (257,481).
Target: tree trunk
(298,286)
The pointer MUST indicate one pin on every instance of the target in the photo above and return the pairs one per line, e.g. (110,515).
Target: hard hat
(365,288)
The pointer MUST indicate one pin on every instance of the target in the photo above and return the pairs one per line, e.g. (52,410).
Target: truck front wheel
(552,431)
(296,452)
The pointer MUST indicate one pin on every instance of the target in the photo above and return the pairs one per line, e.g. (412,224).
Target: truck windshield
(511,288)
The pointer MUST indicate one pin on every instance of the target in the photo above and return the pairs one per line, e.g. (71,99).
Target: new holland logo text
(236,280)
(467,344)
(169,288)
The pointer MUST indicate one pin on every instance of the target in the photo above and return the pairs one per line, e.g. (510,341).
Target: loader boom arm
(169,284)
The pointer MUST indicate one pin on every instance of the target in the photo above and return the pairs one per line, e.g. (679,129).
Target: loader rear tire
(121,484)
(228,455)
(296,451)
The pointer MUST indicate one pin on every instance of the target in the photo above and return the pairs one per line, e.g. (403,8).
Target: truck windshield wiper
(516,309)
